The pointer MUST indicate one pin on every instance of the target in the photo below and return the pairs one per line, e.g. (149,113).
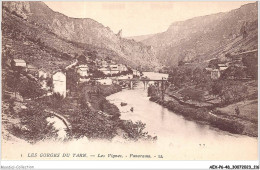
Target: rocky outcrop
(19,8)
(119,34)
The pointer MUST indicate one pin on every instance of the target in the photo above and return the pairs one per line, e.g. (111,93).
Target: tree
(193,94)
(98,74)
(12,81)
(72,79)
(30,89)
(93,54)
(135,131)
(56,100)
(11,106)
(181,63)
(83,102)
(34,118)
(228,55)
(229,90)
(49,83)
(251,66)
(243,31)
(234,72)
(82,59)
(237,110)
(213,63)
(217,87)
(198,76)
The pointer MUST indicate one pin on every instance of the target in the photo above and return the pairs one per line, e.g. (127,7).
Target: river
(188,139)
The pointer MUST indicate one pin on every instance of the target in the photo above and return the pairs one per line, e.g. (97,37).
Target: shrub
(134,131)
(37,127)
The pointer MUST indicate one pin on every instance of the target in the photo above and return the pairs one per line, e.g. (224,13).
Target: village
(216,68)
(55,80)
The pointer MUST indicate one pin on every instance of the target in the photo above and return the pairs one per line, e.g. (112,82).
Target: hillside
(74,36)
(206,37)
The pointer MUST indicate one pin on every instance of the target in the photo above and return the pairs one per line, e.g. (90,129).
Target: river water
(188,139)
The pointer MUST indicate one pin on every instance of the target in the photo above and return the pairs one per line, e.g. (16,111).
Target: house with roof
(104,63)
(215,74)
(18,63)
(106,81)
(114,69)
(82,70)
(105,70)
(222,67)
(122,67)
(136,72)
(31,68)
(59,83)
(208,69)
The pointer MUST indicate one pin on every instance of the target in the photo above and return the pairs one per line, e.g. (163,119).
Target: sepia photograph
(122,80)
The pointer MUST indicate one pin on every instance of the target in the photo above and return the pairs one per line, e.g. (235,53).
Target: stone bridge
(144,80)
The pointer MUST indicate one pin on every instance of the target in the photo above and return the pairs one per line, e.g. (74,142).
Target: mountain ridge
(206,37)
(86,32)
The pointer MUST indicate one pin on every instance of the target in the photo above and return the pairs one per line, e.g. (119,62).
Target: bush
(134,131)
(234,72)
(92,125)
(193,94)
(30,89)
(229,91)
(251,66)
(37,127)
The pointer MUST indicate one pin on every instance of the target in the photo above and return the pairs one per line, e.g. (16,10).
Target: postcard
(125,80)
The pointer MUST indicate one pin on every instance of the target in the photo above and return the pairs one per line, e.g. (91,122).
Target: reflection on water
(162,113)
(173,130)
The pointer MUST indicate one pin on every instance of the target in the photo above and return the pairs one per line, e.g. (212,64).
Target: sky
(140,18)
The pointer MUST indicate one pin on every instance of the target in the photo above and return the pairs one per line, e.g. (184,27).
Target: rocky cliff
(85,33)
(208,36)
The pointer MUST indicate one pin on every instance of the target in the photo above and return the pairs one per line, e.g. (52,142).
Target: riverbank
(102,107)
(231,124)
